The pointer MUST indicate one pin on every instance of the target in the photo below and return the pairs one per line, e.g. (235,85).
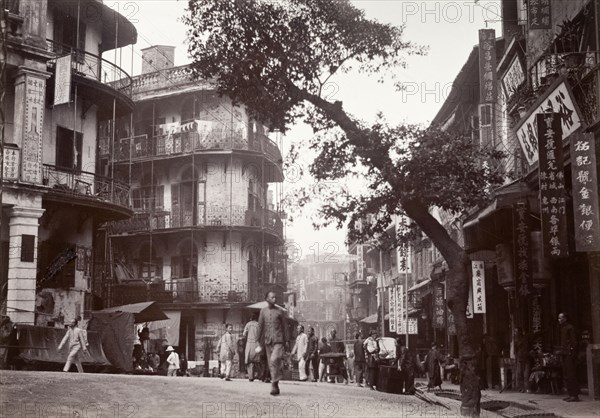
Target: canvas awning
(419,285)
(143,312)
(486,226)
(372,319)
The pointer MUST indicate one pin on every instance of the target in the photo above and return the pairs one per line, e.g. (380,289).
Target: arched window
(185,263)
(149,196)
(149,266)
(188,198)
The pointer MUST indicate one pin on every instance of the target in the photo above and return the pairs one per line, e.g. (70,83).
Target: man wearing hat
(172,361)
(77,340)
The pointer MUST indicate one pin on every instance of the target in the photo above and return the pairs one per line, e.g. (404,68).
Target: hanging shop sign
(487,66)
(439,309)
(31,155)
(552,186)
(478,286)
(538,14)
(392,308)
(62,81)
(522,248)
(451,324)
(535,323)
(413,326)
(514,77)
(400,309)
(584,177)
(504,266)
(560,101)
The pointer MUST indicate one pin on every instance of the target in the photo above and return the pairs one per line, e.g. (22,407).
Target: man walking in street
(226,349)
(251,336)
(338,346)
(359,359)
(568,351)
(313,354)
(301,350)
(77,341)
(272,334)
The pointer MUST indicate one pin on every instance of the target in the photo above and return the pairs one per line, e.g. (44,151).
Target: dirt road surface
(55,394)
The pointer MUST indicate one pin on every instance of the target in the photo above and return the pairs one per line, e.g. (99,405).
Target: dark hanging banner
(552,185)
(522,248)
(538,14)
(585,192)
(487,66)
(439,308)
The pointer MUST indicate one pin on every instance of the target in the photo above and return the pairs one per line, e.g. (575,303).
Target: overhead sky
(448,27)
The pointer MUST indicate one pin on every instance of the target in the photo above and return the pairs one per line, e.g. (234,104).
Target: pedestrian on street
(226,349)
(313,354)
(406,366)
(172,361)
(523,360)
(183,366)
(432,365)
(301,350)
(359,359)
(568,355)
(77,341)
(324,348)
(251,356)
(272,334)
(338,346)
(371,347)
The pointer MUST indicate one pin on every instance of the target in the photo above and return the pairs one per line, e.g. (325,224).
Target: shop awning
(490,225)
(372,319)
(143,312)
(419,285)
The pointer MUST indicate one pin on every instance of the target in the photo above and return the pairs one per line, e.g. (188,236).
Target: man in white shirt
(301,350)
(77,340)
(172,361)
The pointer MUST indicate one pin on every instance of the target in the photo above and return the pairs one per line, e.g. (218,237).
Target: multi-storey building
(206,239)
(539,253)
(57,88)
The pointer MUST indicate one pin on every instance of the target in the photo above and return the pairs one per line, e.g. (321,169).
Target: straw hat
(170,348)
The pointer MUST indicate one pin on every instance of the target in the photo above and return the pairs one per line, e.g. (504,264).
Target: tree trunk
(457,297)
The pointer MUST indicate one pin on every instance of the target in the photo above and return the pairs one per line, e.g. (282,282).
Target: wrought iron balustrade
(86,185)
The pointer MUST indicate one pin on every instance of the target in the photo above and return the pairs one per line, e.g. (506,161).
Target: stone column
(20,301)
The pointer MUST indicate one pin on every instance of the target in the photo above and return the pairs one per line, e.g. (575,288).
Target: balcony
(97,78)
(212,216)
(87,188)
(186,290)
(212,138)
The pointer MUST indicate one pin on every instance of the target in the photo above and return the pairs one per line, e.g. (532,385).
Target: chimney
(157,57)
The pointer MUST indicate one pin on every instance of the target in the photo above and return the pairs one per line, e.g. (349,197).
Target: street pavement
(515,404)
(55,394)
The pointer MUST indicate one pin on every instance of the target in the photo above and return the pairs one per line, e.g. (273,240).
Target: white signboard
(559,101)
(392,307)
(62,82)
(514,77)
(478,286)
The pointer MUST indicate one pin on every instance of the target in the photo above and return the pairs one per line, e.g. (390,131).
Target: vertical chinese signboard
(31,157)
(487,66)
(62,83)
(478,286)
(538,14)
(12,158)
(400,310)
(585,192)
(392,308)
(552,185)
(522,248)
(439,311)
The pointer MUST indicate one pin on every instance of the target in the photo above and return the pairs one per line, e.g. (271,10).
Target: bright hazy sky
(448,27)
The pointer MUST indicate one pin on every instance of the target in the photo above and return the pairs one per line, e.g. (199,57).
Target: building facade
(58,87)
(537,240)
(206,239)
